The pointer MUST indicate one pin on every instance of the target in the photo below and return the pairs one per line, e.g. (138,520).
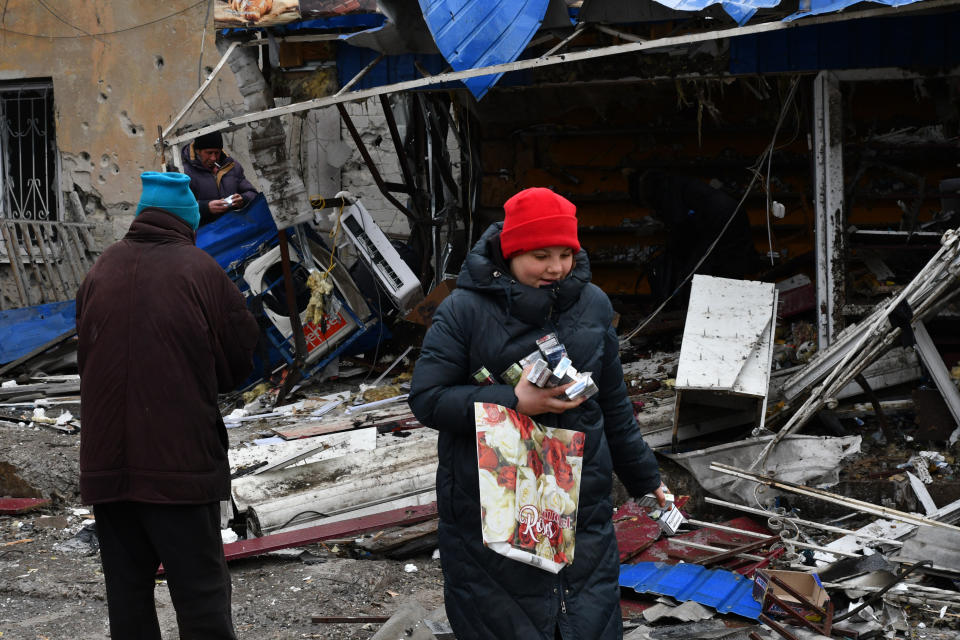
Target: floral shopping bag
(529,486)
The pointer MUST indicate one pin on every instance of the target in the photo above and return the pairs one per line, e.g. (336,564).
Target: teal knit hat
(170,192)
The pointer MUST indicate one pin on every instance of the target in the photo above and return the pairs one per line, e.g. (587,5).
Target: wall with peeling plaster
(368,117)
(356,178)
(112,89)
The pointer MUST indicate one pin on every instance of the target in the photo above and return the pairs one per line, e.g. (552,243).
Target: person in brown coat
(162,330)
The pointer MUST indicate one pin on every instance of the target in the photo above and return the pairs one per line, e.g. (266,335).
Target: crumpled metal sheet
(809,460)
(472,34)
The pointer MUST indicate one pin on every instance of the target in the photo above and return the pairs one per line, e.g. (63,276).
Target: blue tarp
(23,330)
(237,235)
(742,10)
(231,238)
(725,591)
(819,7)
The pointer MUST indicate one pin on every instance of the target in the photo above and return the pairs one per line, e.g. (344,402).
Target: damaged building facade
(800,390)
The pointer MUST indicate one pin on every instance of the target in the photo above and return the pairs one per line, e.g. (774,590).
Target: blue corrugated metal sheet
(725,591)
(480,33)
(351,60)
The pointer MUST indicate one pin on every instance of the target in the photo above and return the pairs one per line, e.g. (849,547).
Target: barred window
(28,152)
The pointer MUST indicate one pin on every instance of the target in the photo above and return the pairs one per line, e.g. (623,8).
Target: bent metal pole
(820,494)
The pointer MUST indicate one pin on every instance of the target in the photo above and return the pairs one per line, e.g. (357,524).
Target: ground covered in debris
(51,585)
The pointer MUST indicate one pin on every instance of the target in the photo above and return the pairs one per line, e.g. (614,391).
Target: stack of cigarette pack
(550,368)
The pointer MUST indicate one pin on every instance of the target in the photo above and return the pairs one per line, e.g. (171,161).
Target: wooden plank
(384,420)
(25,234)
(393,539)
(26,229)
(46,389)
(64,241)
(344,528)
(81,250)
(48,256)
(12,254)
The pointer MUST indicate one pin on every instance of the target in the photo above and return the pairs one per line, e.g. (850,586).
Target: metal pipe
(360,75)
(707,547)
(795,543)
(402,158)
(808,523)
(826,496)
(299,341)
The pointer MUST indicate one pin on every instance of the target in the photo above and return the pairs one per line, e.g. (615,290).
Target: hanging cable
(753,180)
(102,33)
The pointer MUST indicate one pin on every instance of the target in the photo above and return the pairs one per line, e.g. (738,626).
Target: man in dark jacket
(162,330)
(216,179)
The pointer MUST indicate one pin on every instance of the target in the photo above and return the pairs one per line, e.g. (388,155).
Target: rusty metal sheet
(344,528)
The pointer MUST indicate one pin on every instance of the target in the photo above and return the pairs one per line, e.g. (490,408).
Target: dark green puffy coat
(491,320)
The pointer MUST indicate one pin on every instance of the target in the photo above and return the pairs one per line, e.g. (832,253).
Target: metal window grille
(28,153)
(45,257)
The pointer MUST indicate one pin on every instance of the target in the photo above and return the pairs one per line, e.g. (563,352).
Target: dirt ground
(51,585)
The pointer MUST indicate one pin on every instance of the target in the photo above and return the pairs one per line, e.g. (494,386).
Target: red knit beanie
(537,218)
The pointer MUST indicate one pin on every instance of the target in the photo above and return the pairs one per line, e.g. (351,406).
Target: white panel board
(727,339)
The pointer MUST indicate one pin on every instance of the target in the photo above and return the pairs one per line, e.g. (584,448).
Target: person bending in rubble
(216,179)
(162,330)
(527,277)
(695,215)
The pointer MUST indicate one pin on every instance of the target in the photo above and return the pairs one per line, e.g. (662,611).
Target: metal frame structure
(828,181)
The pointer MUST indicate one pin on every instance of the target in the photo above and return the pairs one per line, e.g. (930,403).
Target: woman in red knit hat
(527,277)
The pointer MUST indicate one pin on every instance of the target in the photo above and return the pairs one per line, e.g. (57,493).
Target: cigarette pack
(547,342)
(512,375)
(669,520)
(530,358)
(559,374)
(583,387)
(555,355)
(482,377)
(650,501)
(536,375)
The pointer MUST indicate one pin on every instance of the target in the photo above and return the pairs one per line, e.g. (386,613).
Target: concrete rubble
(850,529)
(312,468)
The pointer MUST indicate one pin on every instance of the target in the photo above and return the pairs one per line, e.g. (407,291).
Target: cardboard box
(807,584)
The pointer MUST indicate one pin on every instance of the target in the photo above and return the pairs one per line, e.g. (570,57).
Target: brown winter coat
(162,330)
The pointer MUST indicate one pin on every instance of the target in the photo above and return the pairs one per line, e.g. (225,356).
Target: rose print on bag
(529,487)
